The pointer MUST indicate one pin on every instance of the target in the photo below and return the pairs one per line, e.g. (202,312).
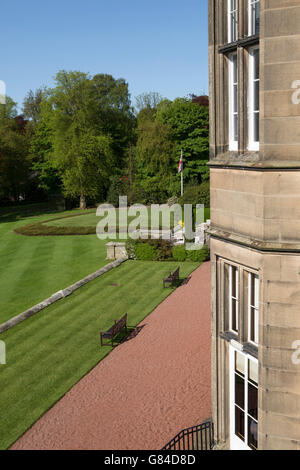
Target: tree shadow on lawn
(17,213)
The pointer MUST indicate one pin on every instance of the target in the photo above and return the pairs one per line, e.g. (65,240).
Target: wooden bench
(113,331)
(173,277)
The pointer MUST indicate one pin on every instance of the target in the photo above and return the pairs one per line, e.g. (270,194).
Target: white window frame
(254,307)
(234,298)
(252,5)
(233,87)
(232,16)
(236,443)
(252,144)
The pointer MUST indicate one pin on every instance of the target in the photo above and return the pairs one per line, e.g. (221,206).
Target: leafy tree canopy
(14,152)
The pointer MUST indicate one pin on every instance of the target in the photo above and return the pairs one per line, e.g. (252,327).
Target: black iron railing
(200,437)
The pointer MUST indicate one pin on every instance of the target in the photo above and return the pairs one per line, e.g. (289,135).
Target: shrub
(179,253)
(145,252)
(164,250)
(197,256)
(196,195)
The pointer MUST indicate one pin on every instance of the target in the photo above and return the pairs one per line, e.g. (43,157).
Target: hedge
(163,250)
(145,252)
(179,253)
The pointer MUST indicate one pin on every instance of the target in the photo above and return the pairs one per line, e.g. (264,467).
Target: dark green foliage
(163,250)
(189,123)
(196,195)
(163,131)
(116,189)
(82,136)
(137,195)
(32,104)
(179,253)
(14,153)
(160,250)
(145,252)
(197,256)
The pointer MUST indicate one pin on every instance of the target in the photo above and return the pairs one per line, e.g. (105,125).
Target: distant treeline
(83,138)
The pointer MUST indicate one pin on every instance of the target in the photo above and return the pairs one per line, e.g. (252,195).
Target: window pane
(252,323)
(240,363)
(253,371)
(256,288)
(257,18)
(254,12)
(233,283)
(239,423)
(252,433)
(239,391)
(235,98)
(234,66)
(252,400)
(256,328)
(256,96)
(256,64)
(252,289)
(233,314)
(233,101)
(235,127)
(234,26)
(256,128)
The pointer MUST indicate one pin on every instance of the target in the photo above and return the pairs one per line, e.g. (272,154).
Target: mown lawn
(33,268)
(49,352)
(90,219)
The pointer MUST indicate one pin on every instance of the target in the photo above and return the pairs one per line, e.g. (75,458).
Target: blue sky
(155,45)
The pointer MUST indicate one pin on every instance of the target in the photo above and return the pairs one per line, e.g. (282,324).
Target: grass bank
(50,352)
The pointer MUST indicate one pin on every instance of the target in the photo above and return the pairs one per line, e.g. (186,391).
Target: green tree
(41,149)
(82,155)
(32,104)
(155,156)
(114,114)
(189,122)
(14,152)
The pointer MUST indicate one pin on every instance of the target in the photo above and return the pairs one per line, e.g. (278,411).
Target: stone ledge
(258,245)
(58,296)
(251,163)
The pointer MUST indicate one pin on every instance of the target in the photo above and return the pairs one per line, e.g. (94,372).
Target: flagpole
(181,174)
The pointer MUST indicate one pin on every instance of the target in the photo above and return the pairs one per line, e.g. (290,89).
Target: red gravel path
(147,389)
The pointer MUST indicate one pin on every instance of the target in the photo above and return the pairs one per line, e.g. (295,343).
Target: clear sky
(157,45)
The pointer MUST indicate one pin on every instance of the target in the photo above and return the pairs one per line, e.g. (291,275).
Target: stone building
(254,49)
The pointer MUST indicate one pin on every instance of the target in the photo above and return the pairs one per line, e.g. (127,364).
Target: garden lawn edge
(59,295)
